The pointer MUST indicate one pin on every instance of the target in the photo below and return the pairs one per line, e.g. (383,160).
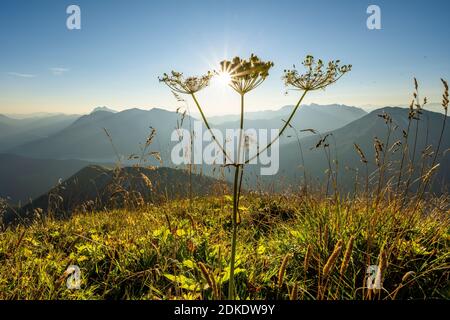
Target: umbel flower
(178,83)
(246,75)
(317,75)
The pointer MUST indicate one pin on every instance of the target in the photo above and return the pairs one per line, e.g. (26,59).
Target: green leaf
(189,263)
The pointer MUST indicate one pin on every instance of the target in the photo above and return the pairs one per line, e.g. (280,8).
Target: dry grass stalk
(347,255)
(282,270)
(332,259)
(360,153)
(209,279)
(294,293)
(307,258)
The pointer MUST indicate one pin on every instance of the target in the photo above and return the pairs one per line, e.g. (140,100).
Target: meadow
(291,247)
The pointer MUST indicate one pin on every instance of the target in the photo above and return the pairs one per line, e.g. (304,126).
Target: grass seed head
(332,259)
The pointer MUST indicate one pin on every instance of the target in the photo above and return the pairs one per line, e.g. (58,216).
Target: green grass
(158,252)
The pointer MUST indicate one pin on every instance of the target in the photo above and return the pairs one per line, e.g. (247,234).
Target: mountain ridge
(363,132)
(85,138)
(96,187)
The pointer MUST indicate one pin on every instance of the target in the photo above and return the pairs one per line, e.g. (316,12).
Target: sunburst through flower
(245,74)
(223,78)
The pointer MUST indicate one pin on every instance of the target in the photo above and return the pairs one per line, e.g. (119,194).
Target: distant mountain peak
(160,110)
(104,109)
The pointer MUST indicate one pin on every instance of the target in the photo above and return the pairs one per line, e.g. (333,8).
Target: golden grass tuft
(332,259)
(282,270)
(347,256)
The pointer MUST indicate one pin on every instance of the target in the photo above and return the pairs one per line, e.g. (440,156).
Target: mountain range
(306,113)
(97,188)
(23,179)
(86,139)
(41,151)
(14,132)
(363,132)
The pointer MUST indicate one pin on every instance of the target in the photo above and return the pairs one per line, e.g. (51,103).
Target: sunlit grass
(171,252)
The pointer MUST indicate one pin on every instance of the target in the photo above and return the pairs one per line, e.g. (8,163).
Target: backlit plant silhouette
(244,76)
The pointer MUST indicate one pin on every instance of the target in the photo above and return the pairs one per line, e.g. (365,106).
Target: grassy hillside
(97,187)
(291,247)
(337,153)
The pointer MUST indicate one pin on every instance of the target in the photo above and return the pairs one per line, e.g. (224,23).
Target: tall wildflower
(190,85)
(317,75)
(247,75)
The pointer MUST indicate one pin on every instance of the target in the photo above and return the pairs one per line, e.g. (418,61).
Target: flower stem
(236,194)
(231,286)
(286,124)
(240,147)
(209,127)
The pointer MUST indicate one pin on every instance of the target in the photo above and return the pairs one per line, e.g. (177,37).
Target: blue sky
(123,46)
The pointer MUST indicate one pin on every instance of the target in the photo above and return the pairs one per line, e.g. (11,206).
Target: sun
(223,78)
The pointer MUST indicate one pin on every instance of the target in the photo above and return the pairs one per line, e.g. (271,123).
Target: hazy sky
(123,46)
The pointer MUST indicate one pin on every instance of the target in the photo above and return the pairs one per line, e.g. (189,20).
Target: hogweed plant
(244,76)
